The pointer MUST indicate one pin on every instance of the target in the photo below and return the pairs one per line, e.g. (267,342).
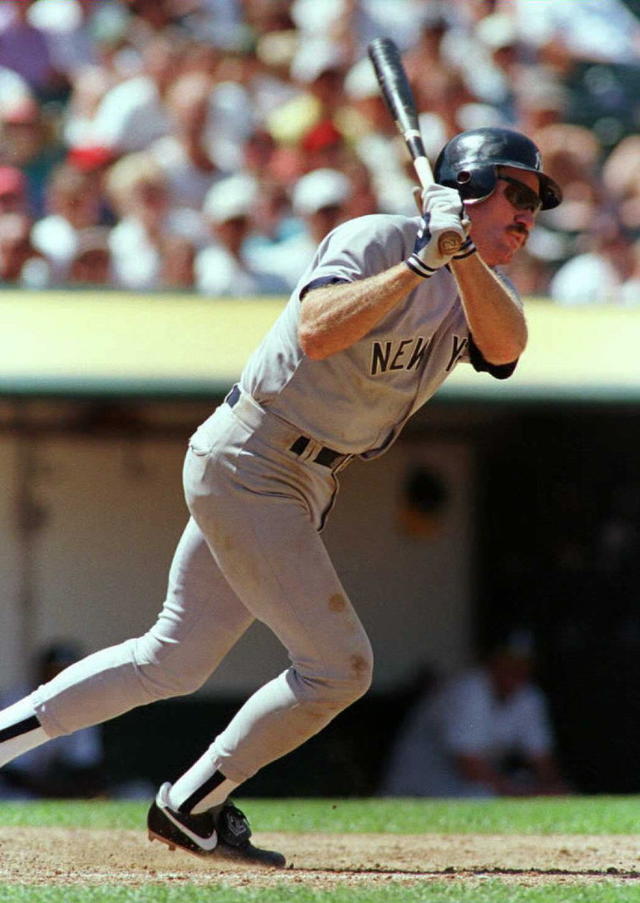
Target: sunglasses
(520,195)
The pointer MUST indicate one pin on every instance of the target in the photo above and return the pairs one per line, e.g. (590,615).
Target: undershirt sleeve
(499,371)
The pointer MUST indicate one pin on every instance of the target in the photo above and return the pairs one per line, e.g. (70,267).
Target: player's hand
(443,211)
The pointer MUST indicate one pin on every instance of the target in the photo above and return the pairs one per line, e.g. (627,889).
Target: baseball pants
(251,550)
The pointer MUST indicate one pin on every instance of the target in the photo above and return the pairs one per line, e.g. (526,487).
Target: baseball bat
(398,96)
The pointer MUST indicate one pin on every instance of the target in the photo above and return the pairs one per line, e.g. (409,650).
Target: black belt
(327,457)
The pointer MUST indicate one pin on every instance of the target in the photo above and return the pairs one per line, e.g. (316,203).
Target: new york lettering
(459,346)
(404,354)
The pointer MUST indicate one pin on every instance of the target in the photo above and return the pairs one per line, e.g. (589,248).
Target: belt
(327,457)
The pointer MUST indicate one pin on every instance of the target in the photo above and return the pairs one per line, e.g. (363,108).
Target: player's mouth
(519,233)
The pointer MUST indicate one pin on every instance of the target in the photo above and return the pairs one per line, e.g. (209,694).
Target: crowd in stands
(208,145)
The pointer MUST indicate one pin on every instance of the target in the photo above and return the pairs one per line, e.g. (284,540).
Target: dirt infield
(84,857)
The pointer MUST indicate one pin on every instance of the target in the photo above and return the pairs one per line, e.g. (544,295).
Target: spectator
(375,140)
(317,69)
(73,204)
(149,18)
(224,267)
(531,274)
(25,50)
(273,219)
(571,154)
(132,114)
(178,263)
(219,23)
(67,29)
(484,733)
(425,54)
(318,199)
(29,142)
(602,31)
(621,178)
(87,91)
(184,154)
(71,766)
(362,198)
(20,262)
(90,263)
(451,107)
(276,89)
(13,191)
(606,272)
(260,151)
(13,88)
(540,99)
(323,147)
(320,202)
(138,190)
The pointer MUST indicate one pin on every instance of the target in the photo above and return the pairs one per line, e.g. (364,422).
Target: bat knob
(449,243)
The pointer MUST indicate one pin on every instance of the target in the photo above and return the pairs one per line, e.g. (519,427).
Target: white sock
(200,788)
(20,730)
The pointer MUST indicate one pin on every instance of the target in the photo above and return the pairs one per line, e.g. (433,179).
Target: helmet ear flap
(476,184)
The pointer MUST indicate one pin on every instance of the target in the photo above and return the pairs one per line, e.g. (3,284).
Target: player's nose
(525,217)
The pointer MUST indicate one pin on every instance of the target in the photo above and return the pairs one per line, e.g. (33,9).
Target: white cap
(55,15)
(312,17)
(315,56)
(277,48)
(480,116)
(361,82)
(319,188)
(230,197)
(497,30)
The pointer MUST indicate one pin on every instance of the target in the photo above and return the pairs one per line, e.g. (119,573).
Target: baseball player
(378,320)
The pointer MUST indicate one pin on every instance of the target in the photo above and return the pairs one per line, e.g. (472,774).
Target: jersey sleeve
(360,248)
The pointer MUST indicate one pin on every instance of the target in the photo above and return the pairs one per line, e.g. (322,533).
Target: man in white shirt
(484,733)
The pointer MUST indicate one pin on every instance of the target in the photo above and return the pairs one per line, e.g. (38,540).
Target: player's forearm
(334,317)
(494,314)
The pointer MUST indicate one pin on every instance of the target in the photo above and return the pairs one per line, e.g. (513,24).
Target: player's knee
(360,674)
(162,683)
(344,685)
(162,673)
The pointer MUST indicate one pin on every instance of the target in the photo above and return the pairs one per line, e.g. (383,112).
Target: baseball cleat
(222,832)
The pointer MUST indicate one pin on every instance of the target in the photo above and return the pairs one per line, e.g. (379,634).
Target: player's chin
(499,256)
(514,242)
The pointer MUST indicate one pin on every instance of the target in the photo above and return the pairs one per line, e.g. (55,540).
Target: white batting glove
(443,211)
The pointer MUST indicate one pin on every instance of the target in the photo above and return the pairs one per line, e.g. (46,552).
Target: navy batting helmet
(469,163)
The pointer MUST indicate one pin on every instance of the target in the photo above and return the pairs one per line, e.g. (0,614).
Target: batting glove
(443,211)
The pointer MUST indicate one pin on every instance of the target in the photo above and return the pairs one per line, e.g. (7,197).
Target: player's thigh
(273,557)
(202,617)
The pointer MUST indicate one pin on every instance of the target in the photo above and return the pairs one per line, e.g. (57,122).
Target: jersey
(357,400)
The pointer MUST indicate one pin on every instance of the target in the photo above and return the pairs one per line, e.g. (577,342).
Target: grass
(556,815)
(578,815)
(486,892)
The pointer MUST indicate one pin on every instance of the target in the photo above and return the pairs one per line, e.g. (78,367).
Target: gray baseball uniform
(260,477)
